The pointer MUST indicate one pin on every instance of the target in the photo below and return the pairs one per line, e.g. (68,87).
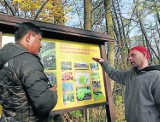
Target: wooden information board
(67,58)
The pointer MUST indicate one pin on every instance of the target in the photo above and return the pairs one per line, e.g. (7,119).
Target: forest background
(129,22)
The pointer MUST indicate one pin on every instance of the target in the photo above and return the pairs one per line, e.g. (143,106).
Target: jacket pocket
(143,114)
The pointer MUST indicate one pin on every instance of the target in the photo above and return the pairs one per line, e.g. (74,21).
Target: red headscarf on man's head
(142,49)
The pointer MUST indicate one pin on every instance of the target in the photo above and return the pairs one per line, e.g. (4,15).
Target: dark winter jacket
(24,91)
(142,98)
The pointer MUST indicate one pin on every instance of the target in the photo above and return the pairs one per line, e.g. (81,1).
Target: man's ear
(28,36)
(145,54)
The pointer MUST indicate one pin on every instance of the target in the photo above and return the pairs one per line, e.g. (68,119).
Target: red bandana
(141,49)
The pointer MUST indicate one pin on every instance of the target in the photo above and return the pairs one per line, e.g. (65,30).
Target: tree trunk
(87,14)
(109,25)
(87,26)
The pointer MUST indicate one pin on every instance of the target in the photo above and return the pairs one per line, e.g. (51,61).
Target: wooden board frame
(8,24)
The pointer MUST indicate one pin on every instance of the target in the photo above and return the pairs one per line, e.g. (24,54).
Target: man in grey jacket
(24,91)
(142,97)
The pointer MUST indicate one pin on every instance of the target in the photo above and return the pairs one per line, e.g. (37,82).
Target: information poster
(69,65)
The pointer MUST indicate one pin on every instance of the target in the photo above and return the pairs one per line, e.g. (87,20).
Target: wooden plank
(110,108)
(13,21)
(7,24)
(0,39)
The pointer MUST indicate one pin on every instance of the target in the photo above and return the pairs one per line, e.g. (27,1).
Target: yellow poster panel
(69,65)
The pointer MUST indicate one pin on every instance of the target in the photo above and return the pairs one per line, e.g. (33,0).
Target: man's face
(34,43)
(136,58)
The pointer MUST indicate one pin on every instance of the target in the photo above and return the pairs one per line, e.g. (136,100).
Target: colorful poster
(69,65)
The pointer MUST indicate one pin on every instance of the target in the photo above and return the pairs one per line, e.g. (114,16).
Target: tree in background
(51,11)
(87,14)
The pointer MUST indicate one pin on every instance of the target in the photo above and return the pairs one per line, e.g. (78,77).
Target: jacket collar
(149,68)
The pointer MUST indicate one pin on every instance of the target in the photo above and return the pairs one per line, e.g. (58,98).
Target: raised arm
(116,75)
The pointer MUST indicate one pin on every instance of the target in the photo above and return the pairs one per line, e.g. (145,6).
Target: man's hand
(54,88)
(99,60)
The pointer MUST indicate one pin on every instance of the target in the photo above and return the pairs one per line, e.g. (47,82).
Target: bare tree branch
(96,6)
(40,9)
(10,8)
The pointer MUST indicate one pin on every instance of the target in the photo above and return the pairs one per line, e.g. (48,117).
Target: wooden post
(0,47)
(110,113)
(0,39)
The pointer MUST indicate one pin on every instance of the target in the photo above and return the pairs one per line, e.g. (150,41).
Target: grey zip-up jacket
(142,96)
(24,92)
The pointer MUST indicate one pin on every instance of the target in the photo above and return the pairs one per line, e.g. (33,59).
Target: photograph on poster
(81,66)
(82,78)
(67,87)
(67,76)
(48,55)
(52,78)
(97,94)
(67,98)
(66,65)
(94,66)
(96,84)
(83,93)
(95,75)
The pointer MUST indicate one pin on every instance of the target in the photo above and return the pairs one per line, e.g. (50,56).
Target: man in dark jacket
(24,91)
(142,98)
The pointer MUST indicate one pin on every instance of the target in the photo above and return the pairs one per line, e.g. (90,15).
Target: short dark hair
(24,28)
